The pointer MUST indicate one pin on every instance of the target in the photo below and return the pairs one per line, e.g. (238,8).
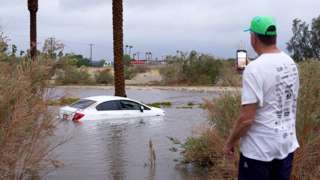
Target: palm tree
(117,16)
(33,8)
(130,47)
(126,49)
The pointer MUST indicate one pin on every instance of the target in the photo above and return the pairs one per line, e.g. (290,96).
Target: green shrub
(229,75)
(171,73)
(73,75)
(128,72)
(104,77)
(160,104)
(194,70)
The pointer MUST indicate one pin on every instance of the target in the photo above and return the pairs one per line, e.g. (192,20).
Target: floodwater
(118,149)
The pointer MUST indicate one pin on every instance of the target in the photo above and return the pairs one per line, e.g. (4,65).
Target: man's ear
(253,39)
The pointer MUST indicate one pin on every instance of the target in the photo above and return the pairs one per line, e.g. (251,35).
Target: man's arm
(241,126)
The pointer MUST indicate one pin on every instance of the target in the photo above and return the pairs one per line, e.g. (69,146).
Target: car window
(129,105)
(82,104)
(109,106)
(145,107)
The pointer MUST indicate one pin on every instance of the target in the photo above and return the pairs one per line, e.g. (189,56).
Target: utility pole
(91,45)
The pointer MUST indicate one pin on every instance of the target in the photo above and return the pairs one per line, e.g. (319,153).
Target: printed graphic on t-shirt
(286,96)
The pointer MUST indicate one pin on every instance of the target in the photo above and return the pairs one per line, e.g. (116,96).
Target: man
(266,126)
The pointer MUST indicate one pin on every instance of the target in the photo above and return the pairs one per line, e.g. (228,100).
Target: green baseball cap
(263,25)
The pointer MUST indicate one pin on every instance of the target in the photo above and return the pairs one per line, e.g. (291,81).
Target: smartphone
(241,61)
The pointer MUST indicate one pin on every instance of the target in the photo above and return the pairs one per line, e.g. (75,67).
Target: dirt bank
(172,88)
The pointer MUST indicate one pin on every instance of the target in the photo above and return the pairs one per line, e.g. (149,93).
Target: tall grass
(307,158)
(205,148)
(25,122)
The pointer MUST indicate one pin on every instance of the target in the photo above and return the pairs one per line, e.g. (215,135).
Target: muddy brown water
(118,149)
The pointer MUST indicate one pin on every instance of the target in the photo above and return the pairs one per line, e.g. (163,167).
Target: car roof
(106,98)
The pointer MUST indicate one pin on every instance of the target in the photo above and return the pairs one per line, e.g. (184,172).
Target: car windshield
(82,104)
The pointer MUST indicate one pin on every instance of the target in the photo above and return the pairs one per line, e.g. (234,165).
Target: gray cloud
(162,26)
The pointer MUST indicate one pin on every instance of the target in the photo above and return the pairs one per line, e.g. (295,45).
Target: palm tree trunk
(33,8)
(117,12)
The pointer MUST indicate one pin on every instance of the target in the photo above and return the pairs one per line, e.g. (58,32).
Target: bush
(206,147)
(131,71)
(229,75)
(194,70)
(128,73)
(25,122)
(73,75)
(171,73)
(104,77)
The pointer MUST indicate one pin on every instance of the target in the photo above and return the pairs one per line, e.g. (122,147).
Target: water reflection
(116,153)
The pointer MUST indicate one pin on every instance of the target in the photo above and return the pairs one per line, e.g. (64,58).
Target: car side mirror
(141,108)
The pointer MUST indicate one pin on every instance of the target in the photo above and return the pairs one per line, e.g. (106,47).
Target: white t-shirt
(271,81)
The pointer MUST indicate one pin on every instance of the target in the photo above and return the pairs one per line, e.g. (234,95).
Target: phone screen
(241,59)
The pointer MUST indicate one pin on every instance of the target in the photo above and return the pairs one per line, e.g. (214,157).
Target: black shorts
(250,169)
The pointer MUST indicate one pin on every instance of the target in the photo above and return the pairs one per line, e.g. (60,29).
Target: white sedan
(107,107)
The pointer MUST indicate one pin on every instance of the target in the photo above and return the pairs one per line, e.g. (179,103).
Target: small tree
(305,43)
(53,48)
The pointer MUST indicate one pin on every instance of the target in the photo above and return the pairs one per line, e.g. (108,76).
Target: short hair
(267,39)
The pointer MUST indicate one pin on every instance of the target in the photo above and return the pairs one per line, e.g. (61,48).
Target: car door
(109,110)
(131,108)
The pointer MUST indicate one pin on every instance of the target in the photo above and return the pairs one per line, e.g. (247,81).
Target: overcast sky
(159,26)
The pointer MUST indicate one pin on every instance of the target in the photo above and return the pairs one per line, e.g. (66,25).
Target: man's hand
(241,126)
(228,149)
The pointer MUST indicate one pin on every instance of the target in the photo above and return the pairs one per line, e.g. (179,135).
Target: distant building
(108,63)
(139,62)
(148,62)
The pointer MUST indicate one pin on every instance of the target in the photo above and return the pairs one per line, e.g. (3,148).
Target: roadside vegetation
(63,101)
(164,104)
(204,148)
(199,69)
(104,77)
(25,122)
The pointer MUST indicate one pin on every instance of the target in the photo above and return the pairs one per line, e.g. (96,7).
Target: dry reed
(25,122)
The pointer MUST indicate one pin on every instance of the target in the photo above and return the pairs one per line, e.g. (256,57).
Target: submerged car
(107,107)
